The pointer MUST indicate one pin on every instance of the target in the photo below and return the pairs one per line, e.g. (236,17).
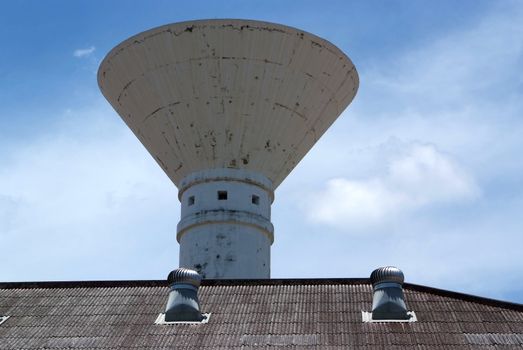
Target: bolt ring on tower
(227,108)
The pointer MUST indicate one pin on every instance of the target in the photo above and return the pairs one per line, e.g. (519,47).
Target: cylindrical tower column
(225,229)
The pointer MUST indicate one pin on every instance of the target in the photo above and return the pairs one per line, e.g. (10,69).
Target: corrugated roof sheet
(249,314)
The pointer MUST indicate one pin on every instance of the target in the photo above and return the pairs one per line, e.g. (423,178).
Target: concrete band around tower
(248,197)
(221,196)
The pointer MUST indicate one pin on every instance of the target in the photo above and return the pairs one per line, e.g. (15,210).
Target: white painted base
(160,320)
(226,251)
(367,317)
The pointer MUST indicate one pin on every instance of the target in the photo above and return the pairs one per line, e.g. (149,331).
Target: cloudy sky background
(423,171)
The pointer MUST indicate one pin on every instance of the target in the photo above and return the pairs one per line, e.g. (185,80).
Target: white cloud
(426,175)
(465,69)
(84,52)
(417,177)
(81,198)
(457,92)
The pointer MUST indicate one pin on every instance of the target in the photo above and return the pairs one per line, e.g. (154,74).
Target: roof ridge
(83,284)
(160,283)
(465,297)
(274,281)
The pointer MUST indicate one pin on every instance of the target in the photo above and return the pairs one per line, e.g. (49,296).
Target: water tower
(227,108)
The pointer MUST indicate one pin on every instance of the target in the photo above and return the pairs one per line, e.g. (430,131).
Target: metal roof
(314,313)
(228,93)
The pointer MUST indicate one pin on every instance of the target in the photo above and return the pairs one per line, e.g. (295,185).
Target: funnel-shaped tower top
(235,94)
(227,108)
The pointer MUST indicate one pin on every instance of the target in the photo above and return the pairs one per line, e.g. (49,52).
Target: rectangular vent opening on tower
(190,201)
(222,195)
(255,199)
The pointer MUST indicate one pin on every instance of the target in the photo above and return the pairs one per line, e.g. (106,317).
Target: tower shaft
(225,229)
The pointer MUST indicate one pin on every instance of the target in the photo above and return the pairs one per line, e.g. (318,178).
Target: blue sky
(422,171)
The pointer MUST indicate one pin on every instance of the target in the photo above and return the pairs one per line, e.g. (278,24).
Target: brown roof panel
(319,313)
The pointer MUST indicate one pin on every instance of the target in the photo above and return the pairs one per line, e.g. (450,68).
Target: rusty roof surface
(313,313)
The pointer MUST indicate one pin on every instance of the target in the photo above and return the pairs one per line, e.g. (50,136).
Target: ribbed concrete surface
(249,314)
(228,94)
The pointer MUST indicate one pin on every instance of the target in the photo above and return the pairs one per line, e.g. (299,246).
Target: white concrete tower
(227,108)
